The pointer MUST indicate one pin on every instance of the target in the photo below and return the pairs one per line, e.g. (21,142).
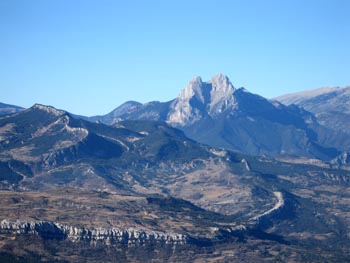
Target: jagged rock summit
(200,98)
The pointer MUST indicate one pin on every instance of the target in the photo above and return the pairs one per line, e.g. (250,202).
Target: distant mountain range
(217,114)
(311,124)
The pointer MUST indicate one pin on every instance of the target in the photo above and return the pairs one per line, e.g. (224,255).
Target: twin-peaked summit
(214,112)
(216,94)
(200,98)
(197,100)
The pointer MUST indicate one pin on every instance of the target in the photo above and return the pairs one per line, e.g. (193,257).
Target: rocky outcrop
(341,160)
(108,236)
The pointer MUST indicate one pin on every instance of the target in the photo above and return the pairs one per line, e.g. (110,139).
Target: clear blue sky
(88,57)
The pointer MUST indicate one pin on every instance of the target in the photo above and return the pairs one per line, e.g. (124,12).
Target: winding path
(278,205)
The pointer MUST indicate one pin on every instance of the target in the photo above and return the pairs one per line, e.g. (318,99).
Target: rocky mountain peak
(193,89)
(221,94)
(200,99)
(48,109)
(221,82)
(185,108)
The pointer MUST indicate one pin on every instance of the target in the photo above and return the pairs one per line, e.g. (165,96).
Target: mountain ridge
(331,105)
(218,114)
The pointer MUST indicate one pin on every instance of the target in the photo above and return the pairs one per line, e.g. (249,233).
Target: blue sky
(88,57)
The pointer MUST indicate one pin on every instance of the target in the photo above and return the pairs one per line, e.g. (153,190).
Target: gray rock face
(107,236)
(200,99)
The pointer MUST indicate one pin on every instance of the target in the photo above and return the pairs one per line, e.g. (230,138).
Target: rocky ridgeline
(53,230)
